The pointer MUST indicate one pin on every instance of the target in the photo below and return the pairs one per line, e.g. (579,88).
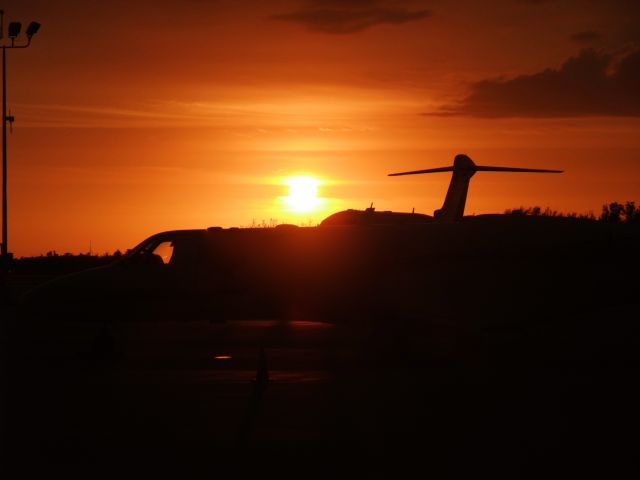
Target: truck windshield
(151,252)
(164,250)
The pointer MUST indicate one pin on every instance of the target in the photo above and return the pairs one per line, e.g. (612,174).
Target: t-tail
(463,169)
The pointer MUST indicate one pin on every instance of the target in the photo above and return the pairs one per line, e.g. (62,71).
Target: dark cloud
(587,36)
(341,17)
(591,84)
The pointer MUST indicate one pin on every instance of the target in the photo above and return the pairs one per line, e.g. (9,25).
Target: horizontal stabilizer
(480,168)
(475,168)
(428,170)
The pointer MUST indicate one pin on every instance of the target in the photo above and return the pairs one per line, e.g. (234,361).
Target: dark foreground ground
(518,401)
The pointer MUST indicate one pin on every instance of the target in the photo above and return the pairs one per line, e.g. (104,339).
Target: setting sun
(303,193)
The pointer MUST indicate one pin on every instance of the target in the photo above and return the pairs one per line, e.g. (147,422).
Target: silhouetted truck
(284,268)
(357,266)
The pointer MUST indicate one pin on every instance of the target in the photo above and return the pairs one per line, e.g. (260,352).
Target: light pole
(13,32)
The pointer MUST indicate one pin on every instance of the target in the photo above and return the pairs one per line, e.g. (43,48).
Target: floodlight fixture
(14,29)
(32,29)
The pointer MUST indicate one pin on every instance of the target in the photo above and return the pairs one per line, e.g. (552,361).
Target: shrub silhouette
(547,212)
(615,212)
(612,212)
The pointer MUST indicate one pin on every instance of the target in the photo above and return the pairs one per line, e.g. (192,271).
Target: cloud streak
(587,36)
(353,16)
(590,84)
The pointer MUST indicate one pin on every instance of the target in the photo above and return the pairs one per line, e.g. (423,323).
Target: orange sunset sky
(134,117)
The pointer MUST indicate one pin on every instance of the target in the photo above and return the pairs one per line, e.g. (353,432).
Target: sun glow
(303,194)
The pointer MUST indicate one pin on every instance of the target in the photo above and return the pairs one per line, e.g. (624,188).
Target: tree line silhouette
(613,212)
(53,263)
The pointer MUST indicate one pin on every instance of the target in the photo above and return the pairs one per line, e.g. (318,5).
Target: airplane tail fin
(463,169)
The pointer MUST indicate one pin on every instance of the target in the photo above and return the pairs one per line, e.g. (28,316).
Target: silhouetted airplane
(463,169)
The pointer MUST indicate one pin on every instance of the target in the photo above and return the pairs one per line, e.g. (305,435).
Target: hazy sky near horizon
(134,117)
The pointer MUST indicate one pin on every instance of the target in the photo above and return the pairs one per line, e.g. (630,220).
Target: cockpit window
(164,250)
